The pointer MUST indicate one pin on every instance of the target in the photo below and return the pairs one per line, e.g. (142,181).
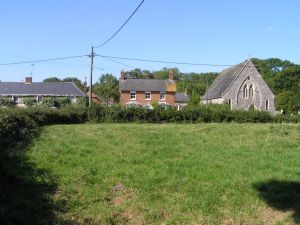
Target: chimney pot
(28,80)
(122,76)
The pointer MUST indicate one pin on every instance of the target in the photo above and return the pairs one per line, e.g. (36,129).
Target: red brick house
(145,92)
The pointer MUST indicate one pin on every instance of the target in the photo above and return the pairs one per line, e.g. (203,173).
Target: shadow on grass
(25,192)
(281,195)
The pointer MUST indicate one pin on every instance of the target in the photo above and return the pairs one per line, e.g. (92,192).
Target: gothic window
(245,91)
(251,91)
(267,104)
(229,103)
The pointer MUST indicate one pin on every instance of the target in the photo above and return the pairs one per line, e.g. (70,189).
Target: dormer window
(132,95)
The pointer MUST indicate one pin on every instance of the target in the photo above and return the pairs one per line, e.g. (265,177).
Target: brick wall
(140,98)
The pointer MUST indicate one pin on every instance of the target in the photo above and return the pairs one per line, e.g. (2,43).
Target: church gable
(249,90)
(242,87)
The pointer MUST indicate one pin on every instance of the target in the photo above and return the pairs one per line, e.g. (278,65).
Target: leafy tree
(194,99)
(287,101)
(107,88)
(52,79)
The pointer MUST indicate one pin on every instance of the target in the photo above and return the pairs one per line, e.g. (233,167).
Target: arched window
(251,91)
(267,104)
(245,91)
(229,103)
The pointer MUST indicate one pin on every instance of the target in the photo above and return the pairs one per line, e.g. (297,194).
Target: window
(148,95)
(132,95)
(267,104)
(162,96)
(245,91)
(16,99)
(39,98)
(251,91)
(229,103)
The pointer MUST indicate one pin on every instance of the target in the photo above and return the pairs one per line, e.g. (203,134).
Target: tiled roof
(147,85)
(223,80)
(40,88)
(182,97)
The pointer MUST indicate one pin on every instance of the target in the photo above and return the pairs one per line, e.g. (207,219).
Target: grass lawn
(172,173)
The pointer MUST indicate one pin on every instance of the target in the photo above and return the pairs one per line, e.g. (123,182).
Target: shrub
(7,102)
(82,101)
(29,101)
(15,128)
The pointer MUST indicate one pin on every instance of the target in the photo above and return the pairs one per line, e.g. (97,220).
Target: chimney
(122,76)
(171,75)
(28,80)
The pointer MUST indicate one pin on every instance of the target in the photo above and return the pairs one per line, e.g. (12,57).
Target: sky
(196,31)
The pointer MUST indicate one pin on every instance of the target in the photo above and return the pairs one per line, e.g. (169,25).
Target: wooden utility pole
(91,77)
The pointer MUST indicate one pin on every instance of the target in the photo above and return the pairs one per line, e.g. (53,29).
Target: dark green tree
(52,79)
(107,88)
(287,101)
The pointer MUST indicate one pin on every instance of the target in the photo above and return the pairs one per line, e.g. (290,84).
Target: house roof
(223,81)
(40,88)
(147,85)
(182,97)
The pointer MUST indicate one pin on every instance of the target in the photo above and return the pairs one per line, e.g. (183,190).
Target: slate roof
(182,97)
(223,80)
(147,85)
(39,88)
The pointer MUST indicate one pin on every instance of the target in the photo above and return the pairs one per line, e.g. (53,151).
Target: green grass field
(172,173)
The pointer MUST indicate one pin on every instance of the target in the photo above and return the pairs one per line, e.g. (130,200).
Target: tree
(52,79)
(107,88)
(194,99)
(287,101)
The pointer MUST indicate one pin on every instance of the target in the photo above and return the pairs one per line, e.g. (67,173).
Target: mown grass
(172,173)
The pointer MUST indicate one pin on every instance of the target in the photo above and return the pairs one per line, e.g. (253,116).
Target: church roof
(223,81)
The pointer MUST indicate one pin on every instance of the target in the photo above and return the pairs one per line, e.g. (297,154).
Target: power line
(42,60)
(109,39)
(166,62)
(112,60)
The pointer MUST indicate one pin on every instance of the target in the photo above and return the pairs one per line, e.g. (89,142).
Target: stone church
(242,87)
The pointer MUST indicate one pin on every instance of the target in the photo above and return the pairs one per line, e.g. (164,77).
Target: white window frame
(164,95)
(131,93)
(146,93)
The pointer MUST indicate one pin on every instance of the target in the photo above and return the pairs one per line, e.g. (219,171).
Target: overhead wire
(42,60)
(114,34)
(167,62)
(115,61)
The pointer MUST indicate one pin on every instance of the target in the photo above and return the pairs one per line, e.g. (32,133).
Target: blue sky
(215,31)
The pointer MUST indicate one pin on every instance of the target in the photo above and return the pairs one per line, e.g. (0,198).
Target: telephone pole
(91,77)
